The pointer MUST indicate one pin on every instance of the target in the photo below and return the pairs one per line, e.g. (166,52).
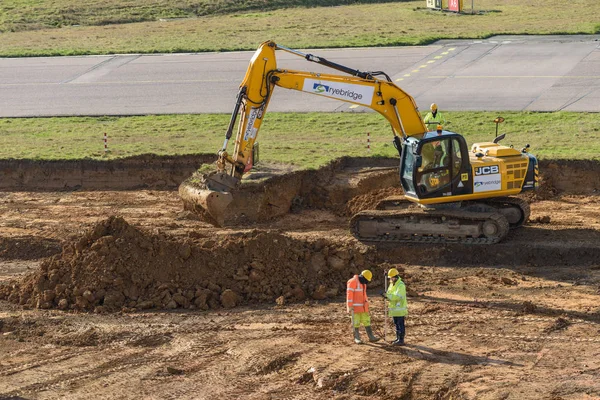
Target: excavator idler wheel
(490,228)
(495,227)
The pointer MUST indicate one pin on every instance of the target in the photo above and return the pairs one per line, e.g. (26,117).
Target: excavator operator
(438,148)
(435,156)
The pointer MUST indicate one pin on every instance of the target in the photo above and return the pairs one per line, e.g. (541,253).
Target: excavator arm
(263,75)
(362,88)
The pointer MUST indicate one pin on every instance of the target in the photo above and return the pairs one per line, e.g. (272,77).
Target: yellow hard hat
(433,107)
(393,272)
(439,128)
(367,275)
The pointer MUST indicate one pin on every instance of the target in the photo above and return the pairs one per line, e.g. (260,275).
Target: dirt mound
(263,197)
(115,265)
(571,176)
(143,171)
(370,200)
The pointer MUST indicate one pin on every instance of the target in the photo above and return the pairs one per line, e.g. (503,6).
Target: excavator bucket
(213,194)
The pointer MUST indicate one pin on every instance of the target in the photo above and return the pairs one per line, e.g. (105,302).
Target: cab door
(442,167)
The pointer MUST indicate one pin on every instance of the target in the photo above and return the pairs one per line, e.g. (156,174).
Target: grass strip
(306,140)
(24,15)
(355,25)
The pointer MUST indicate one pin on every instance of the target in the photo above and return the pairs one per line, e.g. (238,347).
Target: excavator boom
(262,76)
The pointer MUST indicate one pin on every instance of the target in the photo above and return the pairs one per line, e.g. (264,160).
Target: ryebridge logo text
(343,91)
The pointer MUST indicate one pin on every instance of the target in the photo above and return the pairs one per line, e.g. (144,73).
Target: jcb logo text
(492,169)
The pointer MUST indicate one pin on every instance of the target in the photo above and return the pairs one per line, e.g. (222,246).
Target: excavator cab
(435,166)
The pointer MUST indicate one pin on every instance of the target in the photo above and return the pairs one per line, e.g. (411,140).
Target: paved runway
(536,73)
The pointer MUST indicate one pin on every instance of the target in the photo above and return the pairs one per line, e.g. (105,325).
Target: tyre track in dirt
(76,362)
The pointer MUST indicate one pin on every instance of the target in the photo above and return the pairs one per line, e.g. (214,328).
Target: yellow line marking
(444,53)
(354,106)
(399,79)
(437,57)
(452,49)
(415,70)
(406,74)
(423,66)
(430,61)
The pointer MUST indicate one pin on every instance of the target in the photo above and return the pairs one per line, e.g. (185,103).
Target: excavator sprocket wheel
(515,210)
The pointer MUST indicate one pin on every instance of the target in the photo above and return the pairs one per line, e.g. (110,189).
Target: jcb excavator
(452,193)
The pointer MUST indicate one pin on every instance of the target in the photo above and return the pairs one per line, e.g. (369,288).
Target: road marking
(354,106)
(114,82)
(423,66)
(415,70)
(437,57)
(452,49)
(406,74)
(430,61)
(514,76)
(444,53)
(399,79)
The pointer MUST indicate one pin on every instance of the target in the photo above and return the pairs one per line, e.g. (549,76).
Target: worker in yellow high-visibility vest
(398,308)
(434,117)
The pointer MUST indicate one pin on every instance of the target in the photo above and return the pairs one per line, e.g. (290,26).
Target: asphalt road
(547,73)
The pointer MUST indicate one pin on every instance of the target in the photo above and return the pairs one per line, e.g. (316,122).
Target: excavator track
(429,226)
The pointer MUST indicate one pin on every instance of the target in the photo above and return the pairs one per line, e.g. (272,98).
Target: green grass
(65,27)
(25,15)
(304,140)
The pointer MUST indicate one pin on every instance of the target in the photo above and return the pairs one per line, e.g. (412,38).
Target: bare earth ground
(508,330)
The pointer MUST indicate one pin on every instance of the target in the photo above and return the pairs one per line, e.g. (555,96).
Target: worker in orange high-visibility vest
(357,304)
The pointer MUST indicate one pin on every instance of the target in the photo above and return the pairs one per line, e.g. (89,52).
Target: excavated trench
(115,265)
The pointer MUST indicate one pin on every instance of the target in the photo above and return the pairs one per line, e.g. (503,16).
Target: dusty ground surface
(519,320)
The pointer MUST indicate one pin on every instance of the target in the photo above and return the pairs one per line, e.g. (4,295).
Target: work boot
(372,337)
(399,340)
(357,336)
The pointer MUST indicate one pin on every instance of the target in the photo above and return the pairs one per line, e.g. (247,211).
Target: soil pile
(115,266)
(370,200)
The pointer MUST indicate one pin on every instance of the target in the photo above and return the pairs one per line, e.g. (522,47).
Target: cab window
(441,162)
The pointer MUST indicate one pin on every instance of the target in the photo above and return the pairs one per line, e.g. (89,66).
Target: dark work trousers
(400,329)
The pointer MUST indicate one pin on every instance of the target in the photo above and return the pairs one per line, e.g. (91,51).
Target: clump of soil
(369,201)
(115,266)
(558,325)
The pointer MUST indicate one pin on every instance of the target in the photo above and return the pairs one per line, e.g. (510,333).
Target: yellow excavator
(451,193)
